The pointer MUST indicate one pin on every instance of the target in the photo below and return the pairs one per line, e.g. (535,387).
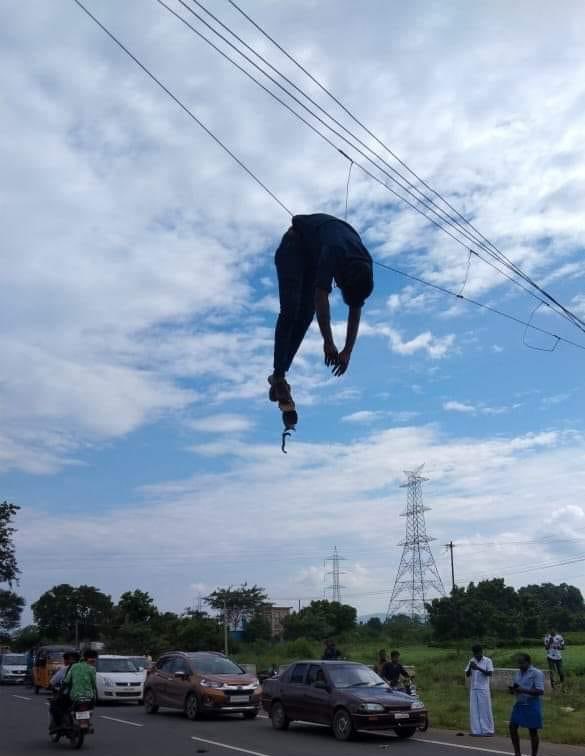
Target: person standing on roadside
(330,652)
(554,644)
(479,671)
(528,687)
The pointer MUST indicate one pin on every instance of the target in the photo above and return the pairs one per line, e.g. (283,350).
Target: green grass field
(441,682)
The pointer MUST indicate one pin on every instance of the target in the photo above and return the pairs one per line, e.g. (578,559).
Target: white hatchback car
(118,679)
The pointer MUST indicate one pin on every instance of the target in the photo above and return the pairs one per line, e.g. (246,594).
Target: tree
(66,612)
(26,638)
(320,620)
(239,604)
(258,628)
(136,607)
(11,605)
(8,566)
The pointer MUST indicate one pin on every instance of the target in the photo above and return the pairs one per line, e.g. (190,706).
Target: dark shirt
(332,245)
(393,671)
(331,653)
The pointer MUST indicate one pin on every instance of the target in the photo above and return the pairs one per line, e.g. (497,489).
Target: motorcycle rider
(60,701)
(393,671)
(81,678)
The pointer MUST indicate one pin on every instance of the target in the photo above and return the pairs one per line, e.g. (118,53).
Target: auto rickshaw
(47,660)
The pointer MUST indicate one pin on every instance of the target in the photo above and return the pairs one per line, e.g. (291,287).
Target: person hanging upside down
(315,251)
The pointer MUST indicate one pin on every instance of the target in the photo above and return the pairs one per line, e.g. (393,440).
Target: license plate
(239,699)
(401,715)
(82,715)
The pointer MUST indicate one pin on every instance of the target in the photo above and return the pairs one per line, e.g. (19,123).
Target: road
(125,730)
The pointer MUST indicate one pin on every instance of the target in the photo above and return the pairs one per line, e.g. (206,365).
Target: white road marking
(121,721)
(463,747)
(229,747)
(22,698)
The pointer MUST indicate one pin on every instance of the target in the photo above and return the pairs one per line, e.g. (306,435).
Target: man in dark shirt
(393,670)
(330,652)
(316,251)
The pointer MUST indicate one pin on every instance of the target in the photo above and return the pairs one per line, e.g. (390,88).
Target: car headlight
(255,682)
(371,707)
(417,705)
(211,684)
(108,682)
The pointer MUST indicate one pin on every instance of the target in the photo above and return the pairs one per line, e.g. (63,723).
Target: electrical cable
(570,315)
(274,196)
(482,305)
(288,107)
(183,107)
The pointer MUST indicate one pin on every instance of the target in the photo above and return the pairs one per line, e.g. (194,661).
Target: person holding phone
(528,687)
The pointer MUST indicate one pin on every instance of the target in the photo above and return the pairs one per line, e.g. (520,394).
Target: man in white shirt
(554,644)
(480,670)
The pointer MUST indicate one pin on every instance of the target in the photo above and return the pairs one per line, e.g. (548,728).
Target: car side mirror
(321,685)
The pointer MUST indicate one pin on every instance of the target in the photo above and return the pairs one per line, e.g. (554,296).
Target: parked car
(201,682)
(142,663)
(118,679)
(12,668)
(345,695)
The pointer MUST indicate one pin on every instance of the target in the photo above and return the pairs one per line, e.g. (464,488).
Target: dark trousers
(556,665)
(296,288)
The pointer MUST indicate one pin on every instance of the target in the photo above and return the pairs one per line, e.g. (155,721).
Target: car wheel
(191,707)
(150,704)
(250,714)
(405,732)
(343,725)
(280,721)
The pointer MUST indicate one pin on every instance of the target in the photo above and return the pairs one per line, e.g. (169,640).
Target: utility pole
(225,629)
(451,546)
(417,575)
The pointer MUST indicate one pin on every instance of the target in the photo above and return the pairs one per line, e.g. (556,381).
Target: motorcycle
(75,724)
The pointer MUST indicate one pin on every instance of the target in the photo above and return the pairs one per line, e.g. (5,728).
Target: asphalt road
(125,730)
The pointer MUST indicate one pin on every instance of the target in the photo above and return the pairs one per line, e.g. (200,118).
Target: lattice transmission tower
(417,578)
(335,573)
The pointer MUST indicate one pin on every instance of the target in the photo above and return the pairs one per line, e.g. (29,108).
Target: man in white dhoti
(480,670)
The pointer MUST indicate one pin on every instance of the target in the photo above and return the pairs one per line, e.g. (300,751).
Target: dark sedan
(344,695)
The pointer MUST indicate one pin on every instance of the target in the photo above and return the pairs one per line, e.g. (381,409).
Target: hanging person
(316,251)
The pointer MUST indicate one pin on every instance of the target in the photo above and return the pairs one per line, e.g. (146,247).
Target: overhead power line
(258,181)
(183,107)
(568,313)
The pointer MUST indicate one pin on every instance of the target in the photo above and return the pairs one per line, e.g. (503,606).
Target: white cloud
(222,423)
(454,406)
(334,494)
(143,228)
(578,305)
(362,417)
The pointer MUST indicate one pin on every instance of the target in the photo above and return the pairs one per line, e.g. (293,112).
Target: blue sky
(139,299)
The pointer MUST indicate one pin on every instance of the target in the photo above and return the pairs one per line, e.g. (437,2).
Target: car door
(294,690)
(177,686)
(160,678)
(317,697)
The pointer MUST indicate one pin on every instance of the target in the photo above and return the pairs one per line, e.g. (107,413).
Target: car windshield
(14,659)
(214,665)
(353,676)
(141,662)
(115,665)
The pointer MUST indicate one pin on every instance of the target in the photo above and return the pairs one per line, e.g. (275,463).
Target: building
(276,616)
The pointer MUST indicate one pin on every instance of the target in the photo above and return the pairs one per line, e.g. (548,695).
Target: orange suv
(201,682)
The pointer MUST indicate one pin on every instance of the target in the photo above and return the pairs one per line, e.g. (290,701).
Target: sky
(138,299)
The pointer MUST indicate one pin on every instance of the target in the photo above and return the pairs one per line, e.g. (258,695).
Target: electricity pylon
(335,573)
(417,577)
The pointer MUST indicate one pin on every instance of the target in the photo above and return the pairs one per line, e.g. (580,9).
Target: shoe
(280,392)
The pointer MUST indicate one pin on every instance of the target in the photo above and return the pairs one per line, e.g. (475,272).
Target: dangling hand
(342,362)
(331,353)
